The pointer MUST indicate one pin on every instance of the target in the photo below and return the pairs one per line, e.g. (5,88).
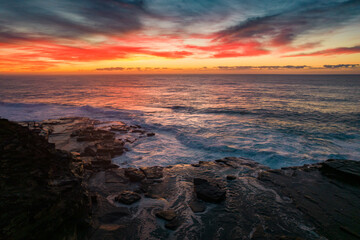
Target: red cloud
(232,49)
(41,55)
(329,52)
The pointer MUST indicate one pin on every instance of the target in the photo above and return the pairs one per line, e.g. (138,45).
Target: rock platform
(230,198)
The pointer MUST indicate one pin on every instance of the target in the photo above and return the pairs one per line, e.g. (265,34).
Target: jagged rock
(208,192)
(153,172)
(168,215)
(39,194)
(134,174)
(128,197)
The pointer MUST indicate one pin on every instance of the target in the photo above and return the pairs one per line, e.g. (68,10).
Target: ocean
(277,120)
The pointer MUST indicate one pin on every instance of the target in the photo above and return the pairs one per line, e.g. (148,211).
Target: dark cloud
(342,66)
(111,69)
(284,27)
(234,68)
(328,52)
(262,67)
(35,19)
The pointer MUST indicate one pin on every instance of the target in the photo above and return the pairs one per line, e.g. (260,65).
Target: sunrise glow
(179,37)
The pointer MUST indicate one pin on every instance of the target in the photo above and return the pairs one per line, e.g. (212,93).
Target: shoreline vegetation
(58,182)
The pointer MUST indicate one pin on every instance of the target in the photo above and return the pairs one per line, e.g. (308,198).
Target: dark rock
(195,165)
(173,224)
(153,172)
(103,150)
(347,169)
(40,196)
(114,216)
(138,131)
(197,206)
(134,174)
(167,214)
(88,151)
(230,177)
(150,134)
(119,128)
(86,139)
(128,197)
(208,192)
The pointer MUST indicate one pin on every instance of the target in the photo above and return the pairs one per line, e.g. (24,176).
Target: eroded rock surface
(230,198)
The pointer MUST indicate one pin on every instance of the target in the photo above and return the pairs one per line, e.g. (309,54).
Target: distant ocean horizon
(276,120)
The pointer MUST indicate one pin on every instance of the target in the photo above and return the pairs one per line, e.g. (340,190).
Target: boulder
(128,197)
(134,174)
(168,215)
(197,206)
(173,224)
(208,192)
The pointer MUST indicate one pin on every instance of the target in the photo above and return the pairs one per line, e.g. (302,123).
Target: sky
(180,36)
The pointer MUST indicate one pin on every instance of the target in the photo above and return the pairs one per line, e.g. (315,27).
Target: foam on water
(276,120)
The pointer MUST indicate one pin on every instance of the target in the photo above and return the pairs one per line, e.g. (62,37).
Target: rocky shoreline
(230,198)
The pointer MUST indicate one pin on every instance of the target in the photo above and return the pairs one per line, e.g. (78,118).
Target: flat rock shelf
(229,198)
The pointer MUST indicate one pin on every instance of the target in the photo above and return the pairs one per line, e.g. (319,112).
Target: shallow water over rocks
(255,202)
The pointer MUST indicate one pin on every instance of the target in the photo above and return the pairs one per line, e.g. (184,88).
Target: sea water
(277,120)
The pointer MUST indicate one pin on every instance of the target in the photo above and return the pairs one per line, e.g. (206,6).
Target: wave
(42,111)
(208,110)
(351,118)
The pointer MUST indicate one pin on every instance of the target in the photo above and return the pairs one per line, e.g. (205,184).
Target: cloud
(283,28)
(342,66)
(239,68)
(69,31)
(262,67)
(279,67)
(112,69)
(328,52)
(225,50)
(34,19)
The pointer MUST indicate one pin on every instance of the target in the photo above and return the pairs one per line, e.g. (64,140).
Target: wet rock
(230,177)
(347,169)
(128,197)
(114,216)
(138,131)
(119,128)
(134,174)
(153,172)
(173,224)
(197,206)
(208,192)
(167,214)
